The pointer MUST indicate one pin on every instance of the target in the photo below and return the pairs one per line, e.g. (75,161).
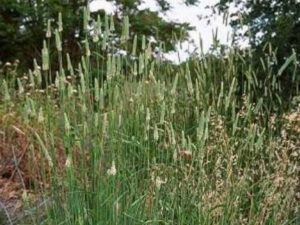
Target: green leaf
(286,64)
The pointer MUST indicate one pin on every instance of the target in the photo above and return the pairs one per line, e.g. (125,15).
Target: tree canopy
(276,22)
(23,25)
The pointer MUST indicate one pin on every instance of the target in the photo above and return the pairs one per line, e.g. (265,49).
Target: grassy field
(145,142)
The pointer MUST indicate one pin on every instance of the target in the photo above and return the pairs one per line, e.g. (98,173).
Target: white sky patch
(183,13)
(102,4)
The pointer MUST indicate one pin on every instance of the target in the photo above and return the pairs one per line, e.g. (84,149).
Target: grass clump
(145,142)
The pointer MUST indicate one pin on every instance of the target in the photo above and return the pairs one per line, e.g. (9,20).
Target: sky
(182,13)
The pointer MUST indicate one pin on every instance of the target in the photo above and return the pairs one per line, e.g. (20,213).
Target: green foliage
(272,28)
(274,22)
(23,23)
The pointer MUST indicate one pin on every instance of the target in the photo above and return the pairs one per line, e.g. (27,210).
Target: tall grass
(118,141)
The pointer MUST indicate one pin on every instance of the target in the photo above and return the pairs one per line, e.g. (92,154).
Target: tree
(23,25)
(272,29)
(276,22)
